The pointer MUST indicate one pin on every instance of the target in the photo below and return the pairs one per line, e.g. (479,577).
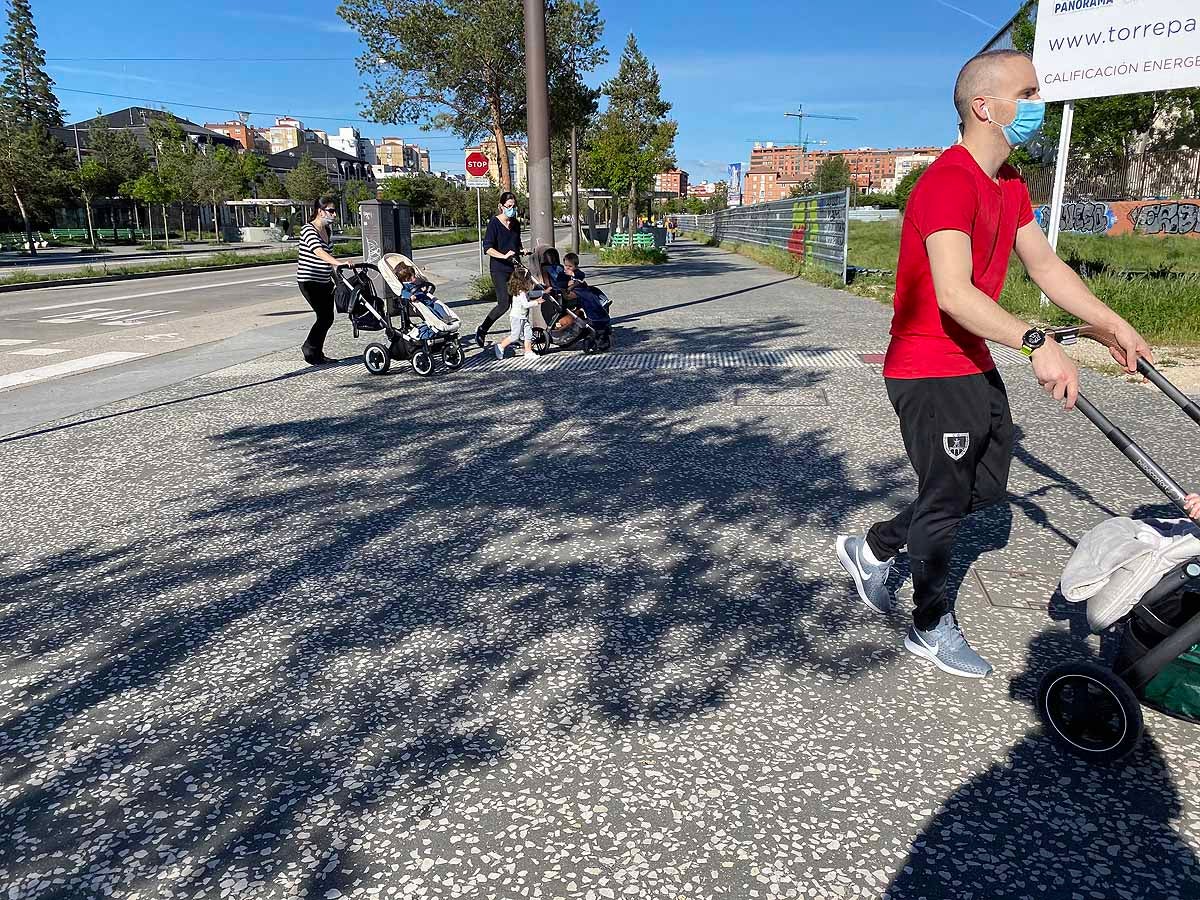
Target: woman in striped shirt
(314,272)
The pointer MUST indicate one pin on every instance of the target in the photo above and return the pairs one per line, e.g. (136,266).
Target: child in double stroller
(572,312)
(425,324)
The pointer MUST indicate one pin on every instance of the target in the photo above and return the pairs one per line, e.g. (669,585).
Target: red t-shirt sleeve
(1025,210)
(943,200)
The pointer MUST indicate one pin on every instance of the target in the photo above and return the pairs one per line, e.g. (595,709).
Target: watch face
(1034,338)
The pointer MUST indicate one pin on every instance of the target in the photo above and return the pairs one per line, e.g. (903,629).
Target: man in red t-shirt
(967,213)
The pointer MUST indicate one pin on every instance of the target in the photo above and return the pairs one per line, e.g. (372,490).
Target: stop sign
(477,164)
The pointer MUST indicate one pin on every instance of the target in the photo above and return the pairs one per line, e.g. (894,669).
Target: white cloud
(329,26)
(101,73)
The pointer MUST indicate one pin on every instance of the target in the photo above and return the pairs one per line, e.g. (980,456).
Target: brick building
(774,169)
(672,181)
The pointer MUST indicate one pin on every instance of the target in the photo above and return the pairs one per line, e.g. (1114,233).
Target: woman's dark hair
(323,201)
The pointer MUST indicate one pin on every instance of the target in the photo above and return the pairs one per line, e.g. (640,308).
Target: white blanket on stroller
(1121,559)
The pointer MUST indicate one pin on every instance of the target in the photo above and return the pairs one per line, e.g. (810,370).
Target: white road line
(183,290)
(38,351)
(140,318)
(14,342)
(28,376)
(94,313)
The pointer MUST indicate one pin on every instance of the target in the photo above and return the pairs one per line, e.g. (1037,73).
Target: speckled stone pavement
(548,631)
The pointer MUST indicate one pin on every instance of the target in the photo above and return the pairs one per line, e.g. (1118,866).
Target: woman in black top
(314,272)
(502,244)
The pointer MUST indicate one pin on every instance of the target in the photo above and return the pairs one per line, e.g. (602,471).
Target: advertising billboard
(1100,48)
(735,184)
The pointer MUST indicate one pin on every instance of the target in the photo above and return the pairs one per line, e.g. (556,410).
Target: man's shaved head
(983,76)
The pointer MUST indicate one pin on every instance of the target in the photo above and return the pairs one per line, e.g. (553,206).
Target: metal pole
(574,192)
(479,227)
(1060,178)
(537,101)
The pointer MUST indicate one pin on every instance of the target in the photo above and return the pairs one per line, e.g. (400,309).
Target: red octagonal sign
(477,164)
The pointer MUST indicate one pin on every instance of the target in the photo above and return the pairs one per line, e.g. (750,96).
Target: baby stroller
(570,313)
(1094,712)
(425,327)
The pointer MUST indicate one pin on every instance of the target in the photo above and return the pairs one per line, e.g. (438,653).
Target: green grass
(459,236)
(1165,310)
(482,288)
(637,256)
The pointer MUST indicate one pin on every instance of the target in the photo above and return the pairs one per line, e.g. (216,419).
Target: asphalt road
(65,349)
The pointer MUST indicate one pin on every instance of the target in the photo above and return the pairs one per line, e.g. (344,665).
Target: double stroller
(571,312)
(426,328)
(1095,712)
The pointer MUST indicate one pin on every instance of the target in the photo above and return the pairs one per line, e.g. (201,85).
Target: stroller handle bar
(1145,464)
(370,267)
(1145,368)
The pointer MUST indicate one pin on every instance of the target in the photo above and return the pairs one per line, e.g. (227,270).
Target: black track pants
(319,295)
(959,436)
(503,301)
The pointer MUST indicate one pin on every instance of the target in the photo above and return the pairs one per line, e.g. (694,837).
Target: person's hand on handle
(1130,345)
(1192,503)
(1057,373)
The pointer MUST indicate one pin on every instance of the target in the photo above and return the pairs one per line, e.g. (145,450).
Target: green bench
(642,240)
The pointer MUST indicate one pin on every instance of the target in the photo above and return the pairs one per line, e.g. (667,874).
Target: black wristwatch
(1032,340)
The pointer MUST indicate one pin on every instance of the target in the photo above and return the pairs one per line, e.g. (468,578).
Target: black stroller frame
(1092,711)
(377,355)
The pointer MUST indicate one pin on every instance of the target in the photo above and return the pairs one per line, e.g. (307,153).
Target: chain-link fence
(812,228)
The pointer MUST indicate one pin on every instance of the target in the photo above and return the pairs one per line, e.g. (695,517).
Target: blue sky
(730,69)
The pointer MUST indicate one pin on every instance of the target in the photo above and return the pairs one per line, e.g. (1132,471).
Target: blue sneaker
(945,646)
(869,579)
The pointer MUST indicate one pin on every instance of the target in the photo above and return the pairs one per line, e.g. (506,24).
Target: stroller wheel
(540,341)
(422,362)
(1089,711)
(376,358)
(452,355)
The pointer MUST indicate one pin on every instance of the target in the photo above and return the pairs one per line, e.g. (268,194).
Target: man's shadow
(1044,824)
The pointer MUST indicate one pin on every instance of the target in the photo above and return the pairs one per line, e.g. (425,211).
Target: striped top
(308,266)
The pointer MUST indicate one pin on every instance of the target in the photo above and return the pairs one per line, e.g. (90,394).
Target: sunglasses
(328,210)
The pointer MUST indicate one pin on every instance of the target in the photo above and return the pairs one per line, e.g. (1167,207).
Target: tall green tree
(151,189)
(832,175)
(635,139)
(217,176)
(459,64)
(1108,126)
(307,182)
(35,170)
(114,158)
(905,188)
(27,93)
(357,192)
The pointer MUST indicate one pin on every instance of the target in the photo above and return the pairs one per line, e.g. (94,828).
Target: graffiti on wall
(1080,217)
(1167,217)
(1160,217)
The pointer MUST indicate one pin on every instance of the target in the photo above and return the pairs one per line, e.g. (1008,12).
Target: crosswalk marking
(71,367)
(96,312)
(14,342)
(38,351)
(109,316)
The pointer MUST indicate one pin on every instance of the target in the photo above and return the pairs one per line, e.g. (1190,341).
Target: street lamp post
(537,99)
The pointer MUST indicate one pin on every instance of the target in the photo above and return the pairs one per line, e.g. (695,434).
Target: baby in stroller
(416,289)
(571,312)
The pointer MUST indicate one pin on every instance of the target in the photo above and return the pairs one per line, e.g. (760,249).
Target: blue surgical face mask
(510,211)
(1025,124)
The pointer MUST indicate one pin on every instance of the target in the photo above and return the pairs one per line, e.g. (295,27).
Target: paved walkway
(567,630)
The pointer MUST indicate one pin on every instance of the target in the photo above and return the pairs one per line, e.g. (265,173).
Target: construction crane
(800,115)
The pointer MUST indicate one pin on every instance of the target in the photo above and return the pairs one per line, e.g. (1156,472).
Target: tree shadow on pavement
(368,599)
(1045,824)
